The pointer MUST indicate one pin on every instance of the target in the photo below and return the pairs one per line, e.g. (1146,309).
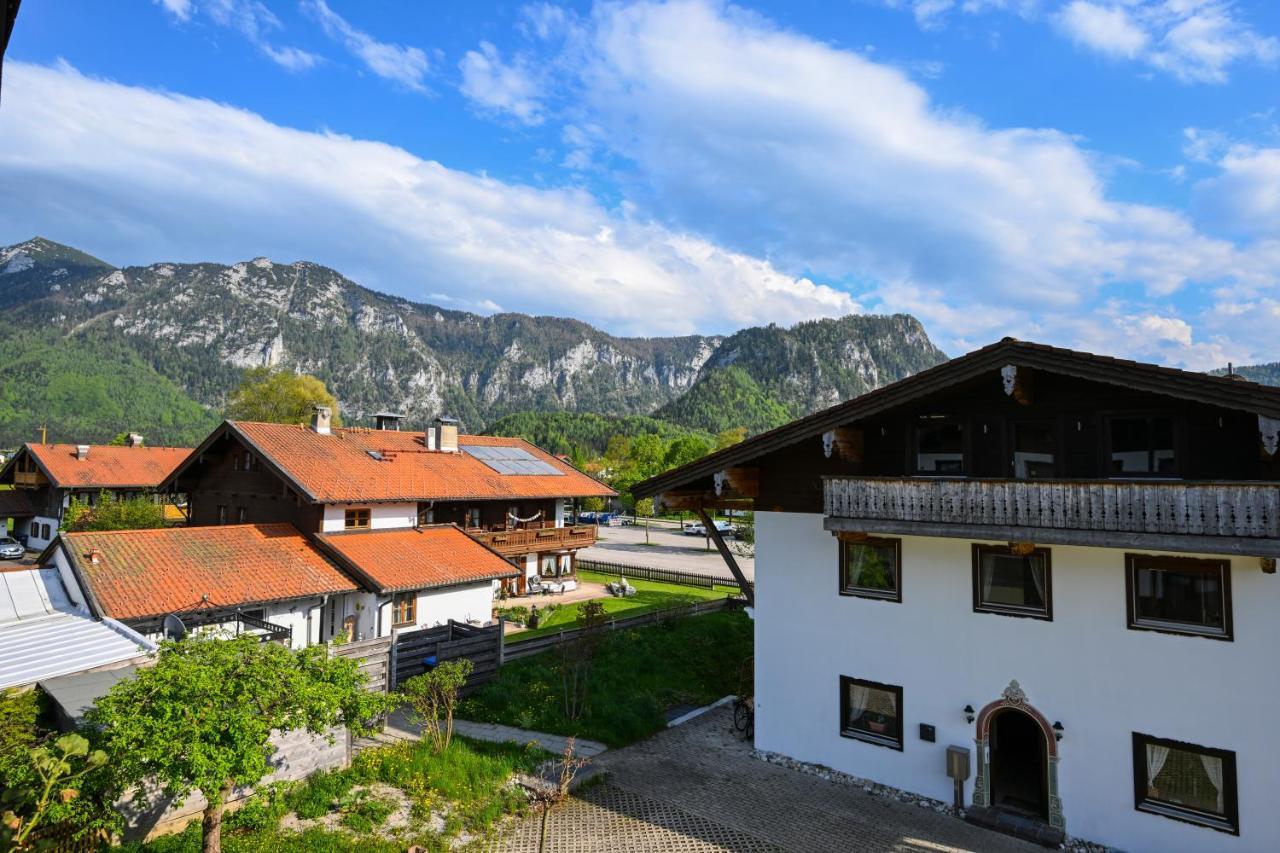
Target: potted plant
(877,722)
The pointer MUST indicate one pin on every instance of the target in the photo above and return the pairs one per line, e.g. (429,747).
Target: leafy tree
(434,697)
(730,437)
(279,396)
(682,451)
(58,768)
(113,513)
(201,717)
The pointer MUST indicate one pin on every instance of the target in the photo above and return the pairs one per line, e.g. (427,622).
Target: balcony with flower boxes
(1203,517)
(533,540)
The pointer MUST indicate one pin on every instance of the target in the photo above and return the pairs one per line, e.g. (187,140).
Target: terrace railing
(513,543)
(1110,511)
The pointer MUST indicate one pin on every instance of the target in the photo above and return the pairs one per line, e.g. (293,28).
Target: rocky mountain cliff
(199,325)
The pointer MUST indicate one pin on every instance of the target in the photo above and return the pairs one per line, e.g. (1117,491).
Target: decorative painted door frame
(1013,698)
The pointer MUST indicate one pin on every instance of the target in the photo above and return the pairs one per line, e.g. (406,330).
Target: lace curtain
(1213,769)
(1156,757)
(859,696)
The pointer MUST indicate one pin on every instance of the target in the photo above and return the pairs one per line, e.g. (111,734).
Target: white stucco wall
(1084,668)
(437,606)
(38,543)
(381,516)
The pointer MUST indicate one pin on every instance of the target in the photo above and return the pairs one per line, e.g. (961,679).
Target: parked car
(699,529)
(11,549)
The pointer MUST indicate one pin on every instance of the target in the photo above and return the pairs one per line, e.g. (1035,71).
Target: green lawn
(650,595)
(637,675)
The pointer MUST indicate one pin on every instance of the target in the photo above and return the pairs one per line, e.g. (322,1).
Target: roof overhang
(1165,381)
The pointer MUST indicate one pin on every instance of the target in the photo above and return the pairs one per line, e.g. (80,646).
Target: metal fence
(518,648)
(650,573)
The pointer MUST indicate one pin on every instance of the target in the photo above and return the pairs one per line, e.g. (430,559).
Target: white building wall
(468,603)
(1084,668)
(381,516)
(39,542)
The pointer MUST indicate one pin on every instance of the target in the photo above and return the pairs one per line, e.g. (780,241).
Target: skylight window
(511,460)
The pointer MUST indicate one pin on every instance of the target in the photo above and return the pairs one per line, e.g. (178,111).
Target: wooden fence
(453,640)
(652,574)
(518,648)
(373,659)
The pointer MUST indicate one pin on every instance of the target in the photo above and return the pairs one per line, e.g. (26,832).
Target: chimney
(388,420)
(446,430)
(320,420)
(82,451)
(133,440)
(95,556)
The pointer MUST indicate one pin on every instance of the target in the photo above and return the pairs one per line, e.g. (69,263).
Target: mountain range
(89,349)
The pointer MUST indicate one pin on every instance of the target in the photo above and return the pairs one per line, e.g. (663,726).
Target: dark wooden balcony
(513,543)
(1219,518)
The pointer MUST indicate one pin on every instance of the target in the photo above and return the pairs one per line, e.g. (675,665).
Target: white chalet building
(1063,564)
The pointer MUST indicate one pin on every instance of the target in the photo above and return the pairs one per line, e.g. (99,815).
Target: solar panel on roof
(511,460)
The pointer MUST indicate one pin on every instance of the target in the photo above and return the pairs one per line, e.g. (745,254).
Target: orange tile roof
(337,468)
(107,466)
(146,573)
(416,558)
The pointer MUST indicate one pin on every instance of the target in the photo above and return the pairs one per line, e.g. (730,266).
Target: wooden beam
(725,554)
(844,443)
(692,501)
(739,482)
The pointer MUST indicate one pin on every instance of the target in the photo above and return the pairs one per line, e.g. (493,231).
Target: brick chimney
(446,430)
(133,440)
(95,556)
(320,420)
(82,451)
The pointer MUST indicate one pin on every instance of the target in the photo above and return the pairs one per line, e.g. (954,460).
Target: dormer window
(939,446)
(356,519)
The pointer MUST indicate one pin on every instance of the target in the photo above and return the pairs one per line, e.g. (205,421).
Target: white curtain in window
(1156,757)
(859,696)
(988,577)
(1213,769)
(893,702)
(1036,567)
(855,558)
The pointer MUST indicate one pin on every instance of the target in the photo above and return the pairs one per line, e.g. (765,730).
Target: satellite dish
(173,627)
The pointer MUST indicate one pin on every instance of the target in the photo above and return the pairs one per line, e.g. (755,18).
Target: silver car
(11,549)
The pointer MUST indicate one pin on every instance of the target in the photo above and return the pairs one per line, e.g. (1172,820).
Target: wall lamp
(1057,730)
(968,713)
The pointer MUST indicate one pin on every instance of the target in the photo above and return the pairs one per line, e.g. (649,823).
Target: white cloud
(407,66)
(820,159)
(496,86)
(252,20)
(139,176)
(180,9)
(1106,29)
(1245,195)
(1196,41)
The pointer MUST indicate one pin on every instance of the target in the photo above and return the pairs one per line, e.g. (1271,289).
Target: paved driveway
(696,788)
(668,549)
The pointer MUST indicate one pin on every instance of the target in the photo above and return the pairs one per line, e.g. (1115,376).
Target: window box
(1179,595)
(871,568)
(871,712)
(1010,583)
(1182,781)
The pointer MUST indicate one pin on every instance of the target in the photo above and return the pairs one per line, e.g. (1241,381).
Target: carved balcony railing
(1238,517)
(513,543)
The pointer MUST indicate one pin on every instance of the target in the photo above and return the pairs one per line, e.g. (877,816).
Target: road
(668,549)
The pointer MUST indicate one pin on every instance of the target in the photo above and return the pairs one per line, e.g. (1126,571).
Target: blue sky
(1094,173)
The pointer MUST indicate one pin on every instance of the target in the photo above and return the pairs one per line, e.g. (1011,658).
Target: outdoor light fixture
(968,716)
(1057,730)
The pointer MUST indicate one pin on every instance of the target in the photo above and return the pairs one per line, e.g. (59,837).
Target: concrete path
(400,726)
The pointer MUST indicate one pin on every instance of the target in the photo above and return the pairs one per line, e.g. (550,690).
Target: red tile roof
(338,468)
(416,558)
(146,573)
(107,466)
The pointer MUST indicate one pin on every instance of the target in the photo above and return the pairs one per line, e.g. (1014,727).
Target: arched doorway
(1017,760)
(1019,764)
